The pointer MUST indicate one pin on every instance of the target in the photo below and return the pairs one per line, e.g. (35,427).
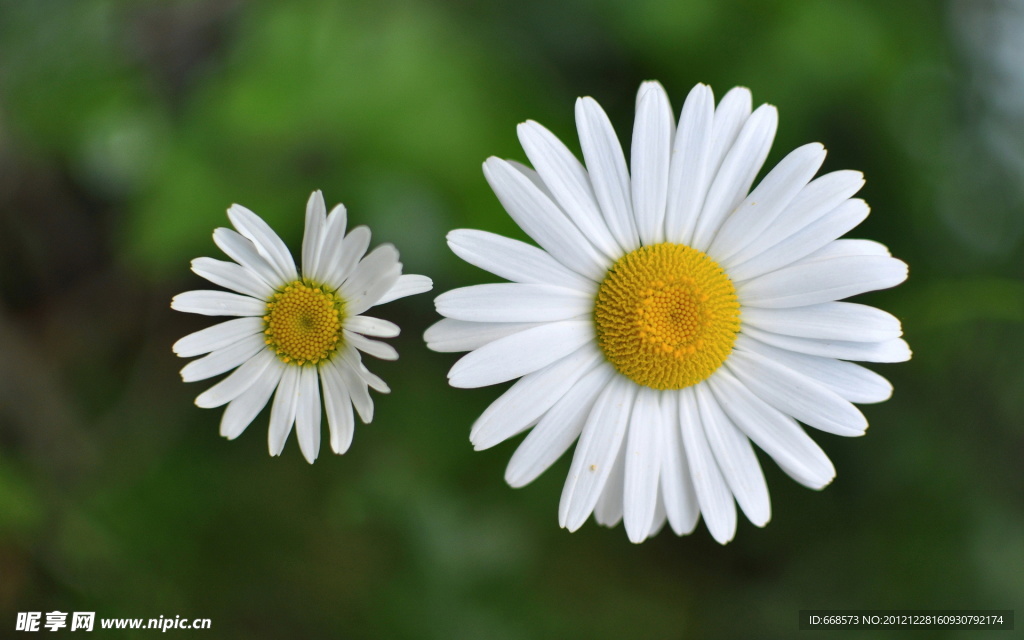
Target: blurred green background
(127,128)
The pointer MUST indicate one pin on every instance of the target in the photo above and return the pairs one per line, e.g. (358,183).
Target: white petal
(643,449)
(767,201)
(358,391)
(543,221)
(372,327)
(408,284)
(795,394)
(606,165)
(713,494)
(677,491)
(514,302)
(341,373)
(241,411)
(851,381)
(596,452)
(557,429)
(238,382)
(529,398)
(653,129)
(609,508)
(889,351)
(368,270)
(849,247)
(514,260)
(218,303)
(823,280)
(218,336)
(371,279)
(338,263)
(736,459)
(568,184)
(307,415)
(689,173)
(312,237)
(268,244)
(821,196)
(375,348)
(223,359)
(660,517)
(372,380)
(737,173)
(827,321)
(339,410)
(232,276)
(730,116)
(244,252)
(805,242)
(332,235)
(777,434)
(282,412)
(534,177)
(458,335)
(520,353)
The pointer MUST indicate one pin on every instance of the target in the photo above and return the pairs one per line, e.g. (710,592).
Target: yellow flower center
(667,316)
(304,323)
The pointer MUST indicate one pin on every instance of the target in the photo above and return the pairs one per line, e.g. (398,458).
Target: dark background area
(127,128)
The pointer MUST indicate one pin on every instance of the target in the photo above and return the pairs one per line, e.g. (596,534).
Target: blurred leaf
(944,303)
(21,510)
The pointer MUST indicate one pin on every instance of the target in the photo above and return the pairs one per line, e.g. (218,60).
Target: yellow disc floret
(667,316)
(304,323)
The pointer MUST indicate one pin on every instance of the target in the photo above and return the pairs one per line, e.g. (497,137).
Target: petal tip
(649,86)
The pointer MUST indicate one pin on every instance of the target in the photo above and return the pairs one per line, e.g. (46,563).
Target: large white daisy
(670,318)
(296,332)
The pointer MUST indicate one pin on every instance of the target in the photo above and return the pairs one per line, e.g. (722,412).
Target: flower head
(296,332)
(671,318)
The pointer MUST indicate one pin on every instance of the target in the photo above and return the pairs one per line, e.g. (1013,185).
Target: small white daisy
(294,329)
(669,317)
